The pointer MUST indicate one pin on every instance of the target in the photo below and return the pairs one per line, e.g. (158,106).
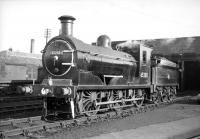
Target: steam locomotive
(84,79)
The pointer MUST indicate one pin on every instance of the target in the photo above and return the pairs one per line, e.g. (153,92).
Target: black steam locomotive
(79,78)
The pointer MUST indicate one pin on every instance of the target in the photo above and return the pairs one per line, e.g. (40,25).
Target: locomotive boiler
(69,58)
(80,78)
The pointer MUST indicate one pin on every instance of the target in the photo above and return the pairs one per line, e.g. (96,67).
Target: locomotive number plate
(56,52)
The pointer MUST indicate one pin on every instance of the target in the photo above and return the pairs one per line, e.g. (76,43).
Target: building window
(144,57)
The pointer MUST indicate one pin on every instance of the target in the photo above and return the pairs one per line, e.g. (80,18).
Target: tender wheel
(172,94)
(164,96)
(156,97)
(89,100)
(139,95)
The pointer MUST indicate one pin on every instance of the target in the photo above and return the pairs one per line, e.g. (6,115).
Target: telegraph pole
(47,34)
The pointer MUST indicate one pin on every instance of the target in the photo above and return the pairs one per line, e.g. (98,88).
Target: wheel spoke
(86,95)
(86,103)
(88,106)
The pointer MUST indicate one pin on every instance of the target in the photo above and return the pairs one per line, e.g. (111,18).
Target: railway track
(19,106)
(34,126)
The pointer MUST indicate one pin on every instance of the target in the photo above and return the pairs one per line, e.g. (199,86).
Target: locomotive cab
(142,54)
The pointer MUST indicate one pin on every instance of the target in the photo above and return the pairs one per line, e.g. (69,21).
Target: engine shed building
(189,73)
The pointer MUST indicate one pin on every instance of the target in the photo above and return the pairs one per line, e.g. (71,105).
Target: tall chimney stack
(66,25)
(32,45)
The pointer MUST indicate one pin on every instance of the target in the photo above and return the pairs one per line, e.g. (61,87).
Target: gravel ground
(170,113)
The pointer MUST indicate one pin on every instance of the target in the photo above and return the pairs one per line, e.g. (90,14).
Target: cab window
(144,57)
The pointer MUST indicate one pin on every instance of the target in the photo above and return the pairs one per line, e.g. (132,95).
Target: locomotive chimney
(32,46)
(66,25)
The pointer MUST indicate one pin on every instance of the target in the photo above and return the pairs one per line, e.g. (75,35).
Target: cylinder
(66,25)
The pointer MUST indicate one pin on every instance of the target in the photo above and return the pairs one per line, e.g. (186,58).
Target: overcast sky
(22,20)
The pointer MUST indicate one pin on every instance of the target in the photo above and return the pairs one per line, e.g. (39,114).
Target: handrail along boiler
(80,78)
